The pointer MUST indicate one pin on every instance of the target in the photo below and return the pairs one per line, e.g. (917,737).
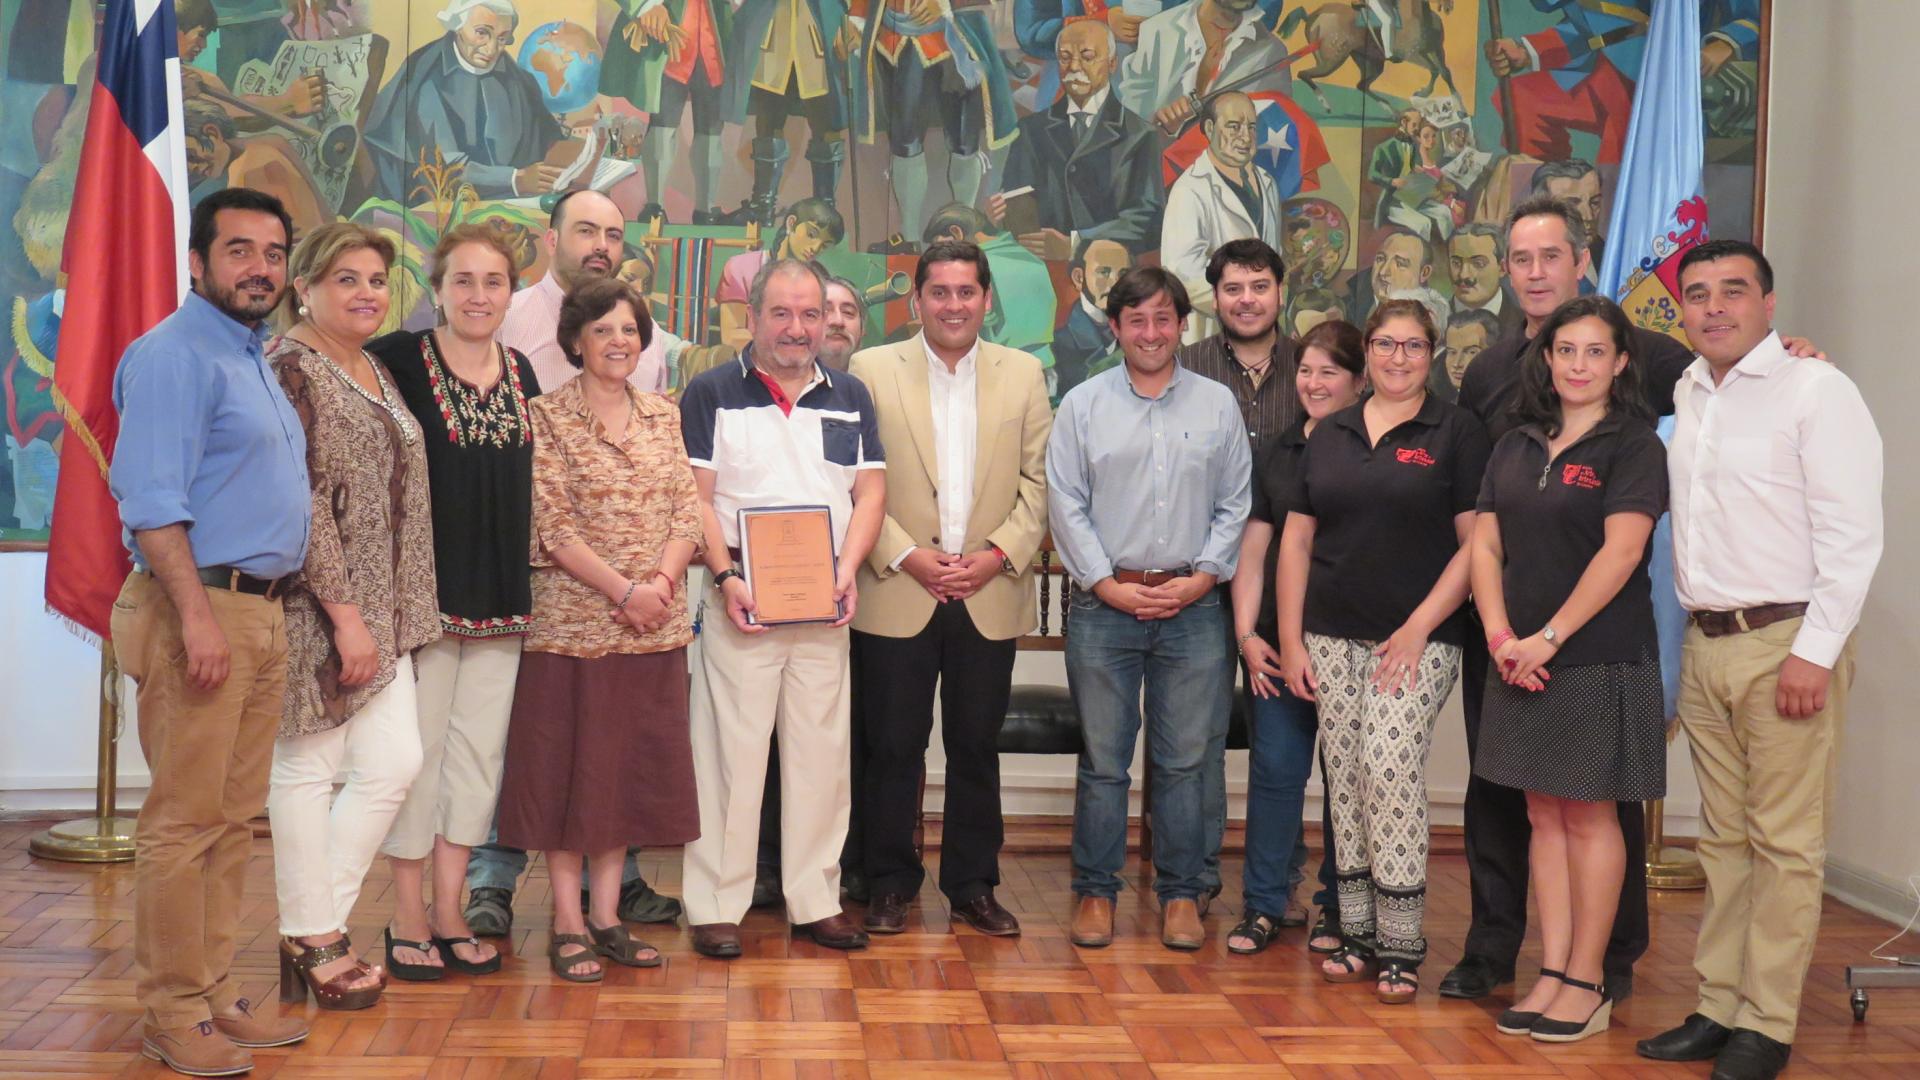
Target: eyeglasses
(1384,347)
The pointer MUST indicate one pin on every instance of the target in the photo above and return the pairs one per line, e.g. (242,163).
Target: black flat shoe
(1750,1055)
(1474,977)
(1696,1039)
(406,972)
(1517,1022)
(1568,1031)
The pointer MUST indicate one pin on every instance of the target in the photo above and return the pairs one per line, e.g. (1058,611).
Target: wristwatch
(1006,564)
(1551,636)
(720,578)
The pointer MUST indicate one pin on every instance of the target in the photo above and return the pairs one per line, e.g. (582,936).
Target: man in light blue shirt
(1150,478)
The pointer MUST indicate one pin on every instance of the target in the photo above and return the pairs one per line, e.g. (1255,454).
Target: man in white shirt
(1224,195)
(1776,474)
(948,588)
(1197,47)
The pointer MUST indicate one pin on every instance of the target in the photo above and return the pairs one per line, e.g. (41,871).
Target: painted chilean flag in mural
(1659,210)
(1289,146)
(124,268)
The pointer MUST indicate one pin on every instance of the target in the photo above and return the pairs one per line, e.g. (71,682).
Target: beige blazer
(1009,486)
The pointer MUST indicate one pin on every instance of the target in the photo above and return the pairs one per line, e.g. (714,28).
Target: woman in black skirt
(1573,712)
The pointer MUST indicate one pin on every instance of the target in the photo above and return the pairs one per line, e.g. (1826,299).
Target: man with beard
(1087,337)
(776,429)
(584,239)
(948,589)
(211,479)
(464,95)
(1094,167)
(846,324)
(1475,255)
(1222,196)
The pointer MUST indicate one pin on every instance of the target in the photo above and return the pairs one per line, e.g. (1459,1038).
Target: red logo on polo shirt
(1581,476)
(1413,455)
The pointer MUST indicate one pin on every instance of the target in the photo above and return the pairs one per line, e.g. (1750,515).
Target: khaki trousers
(1766,799)
(791,683)
(465,696)
(209,753)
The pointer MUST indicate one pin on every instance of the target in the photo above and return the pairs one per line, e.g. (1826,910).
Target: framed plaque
(786,554)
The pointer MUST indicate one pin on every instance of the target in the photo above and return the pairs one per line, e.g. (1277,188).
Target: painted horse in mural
(1343,31)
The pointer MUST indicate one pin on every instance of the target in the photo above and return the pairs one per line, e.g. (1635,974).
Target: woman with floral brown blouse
(363,603)
(602,694)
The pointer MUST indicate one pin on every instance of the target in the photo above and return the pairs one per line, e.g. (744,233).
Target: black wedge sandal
(1516,1022)
(1567,1031)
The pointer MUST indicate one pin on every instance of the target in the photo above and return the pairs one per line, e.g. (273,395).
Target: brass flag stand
(1669,867)
(102,838)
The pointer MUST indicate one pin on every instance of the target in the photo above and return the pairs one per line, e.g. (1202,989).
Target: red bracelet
(1499,639)
(671,589)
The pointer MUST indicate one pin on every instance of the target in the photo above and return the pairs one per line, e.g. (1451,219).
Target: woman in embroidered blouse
(470,395)
(362,605)
(602,695)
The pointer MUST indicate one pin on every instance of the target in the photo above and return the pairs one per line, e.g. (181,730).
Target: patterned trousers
(1376,763)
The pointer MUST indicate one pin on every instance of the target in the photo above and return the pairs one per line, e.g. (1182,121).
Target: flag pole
(1668,867)
(104,837)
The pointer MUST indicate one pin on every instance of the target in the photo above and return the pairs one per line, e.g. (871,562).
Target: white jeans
(323,843)
(465,695)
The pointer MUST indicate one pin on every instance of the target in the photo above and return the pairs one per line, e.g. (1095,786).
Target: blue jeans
(1187,673)
(1284,729)
(493,865)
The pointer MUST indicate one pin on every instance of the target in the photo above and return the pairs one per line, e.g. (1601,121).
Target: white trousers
(790,682)
(465,695)
(323,843)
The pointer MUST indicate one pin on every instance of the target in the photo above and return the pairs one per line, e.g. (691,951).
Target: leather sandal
(455,962)
(614,943)
(1356,965)
(1324,927)
(563,965)
(407,972)
(297,962)
(1256,927)
(1398,983)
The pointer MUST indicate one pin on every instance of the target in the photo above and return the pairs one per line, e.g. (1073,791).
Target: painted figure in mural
(1475,255)
(1308,309)
(1222,196)
(218,156)
(1086,337)
(33,425)
(781,67)
(1187,51)
(1578,74)
(194,22)
(665,56)
(929,57)
(464,95)
(1094,167)
(1402,268)
(1575,184)
(1350,30)
(1017,272)
(1469,332)
(809,227)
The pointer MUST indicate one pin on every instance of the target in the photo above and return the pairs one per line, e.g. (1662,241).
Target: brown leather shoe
(835,932)
(244,1027)
(720,940)
(1180,925)
(985,914)
(195,1050)
(1093,922)
(887,914)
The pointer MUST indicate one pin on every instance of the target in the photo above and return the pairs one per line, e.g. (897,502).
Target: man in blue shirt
(211,476)
(1150,476)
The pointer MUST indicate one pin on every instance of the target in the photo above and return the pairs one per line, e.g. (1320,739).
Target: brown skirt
(598,754)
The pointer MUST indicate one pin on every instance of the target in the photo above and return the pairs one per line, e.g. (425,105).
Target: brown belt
(1150,578)
(1722,623)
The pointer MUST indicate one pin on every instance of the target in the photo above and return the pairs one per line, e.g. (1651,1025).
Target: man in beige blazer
(948,587)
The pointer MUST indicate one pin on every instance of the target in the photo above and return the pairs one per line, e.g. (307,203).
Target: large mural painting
(1378,143)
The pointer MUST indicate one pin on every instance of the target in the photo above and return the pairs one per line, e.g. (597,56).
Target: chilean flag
(1289,146)
(125,269)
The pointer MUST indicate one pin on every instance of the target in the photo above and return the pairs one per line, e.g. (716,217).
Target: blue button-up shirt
(208,440)
(1141,483)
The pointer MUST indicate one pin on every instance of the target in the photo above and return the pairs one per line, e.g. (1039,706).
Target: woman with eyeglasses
(1372,574)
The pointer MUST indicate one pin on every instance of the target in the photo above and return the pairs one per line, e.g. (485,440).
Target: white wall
(1842,237)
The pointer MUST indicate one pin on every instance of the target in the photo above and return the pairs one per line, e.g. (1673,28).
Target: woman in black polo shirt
(1331,377)
(1573,713)
(1373,569)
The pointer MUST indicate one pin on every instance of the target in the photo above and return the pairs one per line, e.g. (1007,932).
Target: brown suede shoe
(1093,922)
(195,1050)
(720,940)
(244,1027)
(887,914)
(985,914)
(835,932)
(1180,925)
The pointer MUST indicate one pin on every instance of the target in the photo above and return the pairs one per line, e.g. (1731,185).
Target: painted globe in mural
(564,60)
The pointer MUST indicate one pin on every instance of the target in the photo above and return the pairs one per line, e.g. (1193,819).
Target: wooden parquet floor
(936,1002)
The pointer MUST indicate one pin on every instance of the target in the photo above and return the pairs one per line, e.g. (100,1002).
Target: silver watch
(1551,636)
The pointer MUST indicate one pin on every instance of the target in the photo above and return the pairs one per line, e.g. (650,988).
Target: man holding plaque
(1150,472)
(786,454)
(949,586)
